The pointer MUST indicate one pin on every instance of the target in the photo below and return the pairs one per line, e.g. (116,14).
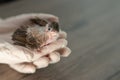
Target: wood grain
(93,28)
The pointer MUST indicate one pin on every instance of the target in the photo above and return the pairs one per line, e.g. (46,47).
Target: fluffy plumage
(36,33)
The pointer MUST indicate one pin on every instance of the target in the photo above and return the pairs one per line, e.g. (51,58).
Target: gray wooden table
(93,28)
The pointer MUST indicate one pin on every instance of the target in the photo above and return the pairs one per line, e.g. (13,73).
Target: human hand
(22,59)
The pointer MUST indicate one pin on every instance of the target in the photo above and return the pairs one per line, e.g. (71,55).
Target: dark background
(93,28)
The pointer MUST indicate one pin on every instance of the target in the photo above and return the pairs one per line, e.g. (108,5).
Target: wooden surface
(93,28)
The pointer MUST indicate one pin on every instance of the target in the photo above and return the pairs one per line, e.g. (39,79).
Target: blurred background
(93,28)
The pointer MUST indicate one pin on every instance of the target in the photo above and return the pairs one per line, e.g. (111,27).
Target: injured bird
(36,33)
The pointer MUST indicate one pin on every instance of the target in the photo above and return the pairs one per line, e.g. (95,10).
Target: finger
(54,57)
(65,52)
(41,62)
(53,46)
(49,17)
(20,19)
(24,67)
(12,23)
(62,35)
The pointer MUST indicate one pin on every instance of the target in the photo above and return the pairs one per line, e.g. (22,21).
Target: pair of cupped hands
(23,59)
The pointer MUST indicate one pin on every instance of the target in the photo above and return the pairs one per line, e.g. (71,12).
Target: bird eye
(49,28)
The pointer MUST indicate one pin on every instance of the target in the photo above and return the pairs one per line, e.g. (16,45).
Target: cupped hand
(23,59)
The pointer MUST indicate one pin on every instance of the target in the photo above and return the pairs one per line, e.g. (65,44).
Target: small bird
(36,33)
